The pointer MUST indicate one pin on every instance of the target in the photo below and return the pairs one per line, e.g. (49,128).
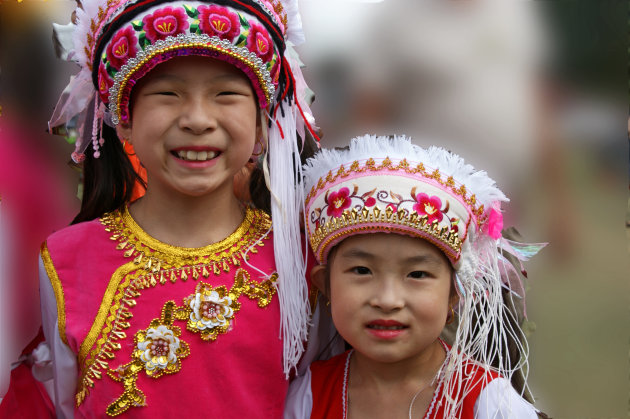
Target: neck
(413,372)
(188,221)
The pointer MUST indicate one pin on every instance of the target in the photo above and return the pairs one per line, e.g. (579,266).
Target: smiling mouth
(192,155)
(381,327)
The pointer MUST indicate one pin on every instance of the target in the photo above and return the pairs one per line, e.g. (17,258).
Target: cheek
(345,304)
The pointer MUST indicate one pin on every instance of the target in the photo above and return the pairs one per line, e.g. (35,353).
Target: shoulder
(330,366)
(498,399)
(327,376)
(77,234)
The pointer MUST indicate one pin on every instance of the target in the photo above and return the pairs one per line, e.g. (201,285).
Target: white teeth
(196,155)
(376,326)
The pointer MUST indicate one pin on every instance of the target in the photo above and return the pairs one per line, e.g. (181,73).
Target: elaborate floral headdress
(383,184)
(117,42)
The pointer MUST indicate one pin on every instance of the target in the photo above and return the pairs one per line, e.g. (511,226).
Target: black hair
(108,181)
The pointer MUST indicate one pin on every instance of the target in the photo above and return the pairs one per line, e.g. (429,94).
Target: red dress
(327,386)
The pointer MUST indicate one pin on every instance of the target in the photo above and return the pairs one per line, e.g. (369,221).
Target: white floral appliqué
(159,349)
(210,310)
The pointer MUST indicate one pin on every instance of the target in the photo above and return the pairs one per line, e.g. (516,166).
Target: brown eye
(418,274)
(361,270)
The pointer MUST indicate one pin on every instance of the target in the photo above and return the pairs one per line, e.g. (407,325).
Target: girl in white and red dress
(184,302)
(406,238)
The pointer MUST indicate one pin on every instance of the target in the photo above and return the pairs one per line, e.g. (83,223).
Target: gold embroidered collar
(166,262)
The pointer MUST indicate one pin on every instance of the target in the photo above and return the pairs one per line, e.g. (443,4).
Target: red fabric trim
(327,386)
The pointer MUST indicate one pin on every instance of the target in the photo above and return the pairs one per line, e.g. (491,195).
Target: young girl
(405,238)
(174,304)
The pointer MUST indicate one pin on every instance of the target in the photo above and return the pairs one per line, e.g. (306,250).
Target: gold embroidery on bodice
(152,263)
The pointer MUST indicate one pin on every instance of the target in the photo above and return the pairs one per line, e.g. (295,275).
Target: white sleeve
(299,401)
(64,361)
(499,400)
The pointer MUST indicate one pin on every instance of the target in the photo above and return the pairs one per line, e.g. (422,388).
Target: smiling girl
(175,304)
(405,238)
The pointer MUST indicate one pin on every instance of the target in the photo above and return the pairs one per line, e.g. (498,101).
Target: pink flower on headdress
(495,221)
(337,202)
(429,206)
(169,21)
(259,42)
(219,21)
(122,47)
(104,83)
(370,202)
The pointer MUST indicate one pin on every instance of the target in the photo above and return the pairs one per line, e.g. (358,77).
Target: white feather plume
(294,34)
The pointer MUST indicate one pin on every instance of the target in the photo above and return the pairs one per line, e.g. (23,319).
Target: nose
(198,115)
(389,295)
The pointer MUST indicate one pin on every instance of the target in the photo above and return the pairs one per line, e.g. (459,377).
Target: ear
(318,278)
(123,129)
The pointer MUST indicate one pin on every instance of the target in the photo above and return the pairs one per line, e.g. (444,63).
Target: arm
(64,361)
(498,400)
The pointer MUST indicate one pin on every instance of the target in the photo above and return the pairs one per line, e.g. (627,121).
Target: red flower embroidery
(104,83)
(169,21)
(370,202)
(337,202)
(394,207)
(259,42)
(429,206)
(219,21)
(122,47)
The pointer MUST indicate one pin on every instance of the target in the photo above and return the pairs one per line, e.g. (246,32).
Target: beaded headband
(163,31)
(383,185)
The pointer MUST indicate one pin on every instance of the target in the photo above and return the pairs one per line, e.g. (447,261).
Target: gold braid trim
(209,312)
(153,262)
(92,361)
(352,221)
(58,290)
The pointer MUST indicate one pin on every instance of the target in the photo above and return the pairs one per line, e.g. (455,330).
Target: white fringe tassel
(286,206)
(483,334)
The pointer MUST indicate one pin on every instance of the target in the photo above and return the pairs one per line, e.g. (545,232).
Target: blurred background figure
(37,189)
(530,91)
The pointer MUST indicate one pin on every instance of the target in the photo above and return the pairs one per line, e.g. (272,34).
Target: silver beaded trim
(269,12)
(197,40)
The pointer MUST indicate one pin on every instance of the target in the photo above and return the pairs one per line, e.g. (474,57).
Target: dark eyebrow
(354,253)
(428,259)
